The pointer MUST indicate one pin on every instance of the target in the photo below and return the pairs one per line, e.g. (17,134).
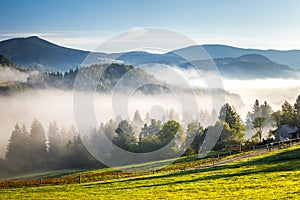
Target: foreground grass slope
(270,176)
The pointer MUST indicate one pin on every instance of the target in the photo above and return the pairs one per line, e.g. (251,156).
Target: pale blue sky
(84,24)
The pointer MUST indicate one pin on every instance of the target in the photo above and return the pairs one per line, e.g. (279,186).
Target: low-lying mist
(273,90)
(57,105)
(9,74)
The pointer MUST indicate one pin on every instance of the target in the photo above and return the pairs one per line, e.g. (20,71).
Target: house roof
(289,128)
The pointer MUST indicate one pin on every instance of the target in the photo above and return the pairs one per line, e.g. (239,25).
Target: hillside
(4,61)
(36,52)
(271,175)
(105,81)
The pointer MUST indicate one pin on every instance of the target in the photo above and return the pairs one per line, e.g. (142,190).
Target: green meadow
(273,175)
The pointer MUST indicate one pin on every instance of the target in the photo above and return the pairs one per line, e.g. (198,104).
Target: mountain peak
(33,37)
(254,58)
(36,39)
(30,38)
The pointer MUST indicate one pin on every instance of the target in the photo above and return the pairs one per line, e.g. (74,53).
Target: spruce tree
(37,145)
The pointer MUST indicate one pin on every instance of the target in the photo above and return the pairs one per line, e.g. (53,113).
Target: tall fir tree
(17,150)
(37,145)
(297,111)
(137,119)
(125,136)
(56,147)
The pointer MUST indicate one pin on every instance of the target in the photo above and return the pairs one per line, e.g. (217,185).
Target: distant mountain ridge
(251,66)
(231,61)
(286,57)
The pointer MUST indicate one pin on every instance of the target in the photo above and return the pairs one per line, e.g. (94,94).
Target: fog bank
(274,91)
(57,105)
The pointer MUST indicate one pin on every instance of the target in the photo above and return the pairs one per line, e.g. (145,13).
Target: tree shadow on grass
(280,162)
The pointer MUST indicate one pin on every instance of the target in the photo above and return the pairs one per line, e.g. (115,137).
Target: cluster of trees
(34,150)
(263,120)
(289,114)
(204,117)
(150,138)
(259,120)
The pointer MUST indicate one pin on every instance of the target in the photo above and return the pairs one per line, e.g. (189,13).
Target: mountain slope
(34,51)
(4,61)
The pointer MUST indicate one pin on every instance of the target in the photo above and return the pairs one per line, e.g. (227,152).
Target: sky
(263,24)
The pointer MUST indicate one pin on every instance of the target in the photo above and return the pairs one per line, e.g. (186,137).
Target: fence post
(79,179)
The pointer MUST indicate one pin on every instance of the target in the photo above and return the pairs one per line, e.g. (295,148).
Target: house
(287,132)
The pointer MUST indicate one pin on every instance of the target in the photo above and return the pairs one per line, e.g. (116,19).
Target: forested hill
(105,81)
(4,61)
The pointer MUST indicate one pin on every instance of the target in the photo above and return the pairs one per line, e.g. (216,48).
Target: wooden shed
(285,132)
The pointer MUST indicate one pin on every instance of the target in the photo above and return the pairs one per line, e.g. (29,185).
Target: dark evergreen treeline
(34,151)
(39,150)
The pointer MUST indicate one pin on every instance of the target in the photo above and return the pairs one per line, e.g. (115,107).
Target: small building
(285,132)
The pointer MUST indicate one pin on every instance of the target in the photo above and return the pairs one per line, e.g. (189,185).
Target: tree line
(35,151)
(57,148)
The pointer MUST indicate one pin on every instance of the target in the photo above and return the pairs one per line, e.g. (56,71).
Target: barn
(287,132)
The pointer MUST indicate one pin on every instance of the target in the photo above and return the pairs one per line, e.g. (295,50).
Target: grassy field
(275,175)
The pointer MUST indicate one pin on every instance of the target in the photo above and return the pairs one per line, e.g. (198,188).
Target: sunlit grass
(270,176)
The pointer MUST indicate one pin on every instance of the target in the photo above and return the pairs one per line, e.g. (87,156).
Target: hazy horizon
(261,24)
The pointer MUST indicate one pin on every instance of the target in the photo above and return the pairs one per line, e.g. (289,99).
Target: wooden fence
(111,175)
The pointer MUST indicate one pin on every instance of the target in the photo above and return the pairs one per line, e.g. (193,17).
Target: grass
(49,174)
(72,176)
(275,175)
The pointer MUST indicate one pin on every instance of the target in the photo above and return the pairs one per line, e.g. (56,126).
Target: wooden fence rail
(110,175)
